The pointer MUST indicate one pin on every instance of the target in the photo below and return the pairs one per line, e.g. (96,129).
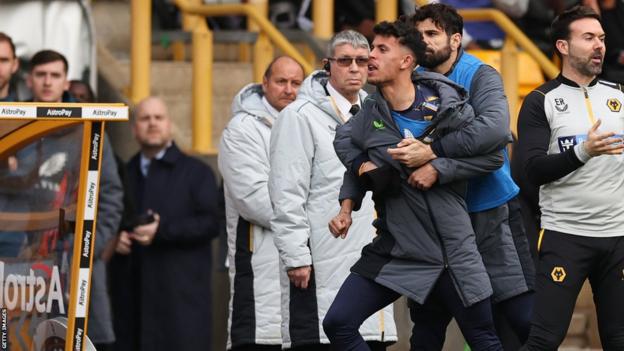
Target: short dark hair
(560,27)
(406,34)
(442,15)
(90,93)
(269,69)
(7,39)
(46,56)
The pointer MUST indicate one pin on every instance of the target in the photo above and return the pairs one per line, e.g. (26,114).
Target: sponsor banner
(91,188)
(18,111)
(112,113)
(94,146)
(83,293)
(59,112)
(104,113)
(567,142)
(79,334)
(85,248)
(30,291)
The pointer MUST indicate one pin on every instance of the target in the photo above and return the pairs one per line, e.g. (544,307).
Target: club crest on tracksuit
(558,274)
(614,105)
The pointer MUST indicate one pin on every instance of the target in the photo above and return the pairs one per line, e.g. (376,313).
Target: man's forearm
(347,206)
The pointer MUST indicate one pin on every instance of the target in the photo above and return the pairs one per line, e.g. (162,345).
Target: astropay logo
(31,292)
(56,112)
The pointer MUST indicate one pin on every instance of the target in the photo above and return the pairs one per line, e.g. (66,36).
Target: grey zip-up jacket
(253,261)
(304,183)
(421,232)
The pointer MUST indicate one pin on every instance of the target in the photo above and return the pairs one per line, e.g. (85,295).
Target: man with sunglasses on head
(304,182)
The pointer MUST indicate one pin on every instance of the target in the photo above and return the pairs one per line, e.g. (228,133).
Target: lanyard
(337,110)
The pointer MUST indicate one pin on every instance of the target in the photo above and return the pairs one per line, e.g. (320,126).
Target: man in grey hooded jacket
(254,319)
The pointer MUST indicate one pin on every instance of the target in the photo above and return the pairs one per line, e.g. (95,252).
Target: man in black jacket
(170,246)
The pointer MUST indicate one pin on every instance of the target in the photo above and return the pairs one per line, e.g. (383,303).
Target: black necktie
(354,109)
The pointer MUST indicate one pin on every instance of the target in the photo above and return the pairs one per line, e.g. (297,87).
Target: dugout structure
(50,158)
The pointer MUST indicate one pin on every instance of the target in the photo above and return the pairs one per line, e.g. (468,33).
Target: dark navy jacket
(171,277)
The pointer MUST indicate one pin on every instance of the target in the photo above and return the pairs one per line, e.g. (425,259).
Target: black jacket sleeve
(533,140)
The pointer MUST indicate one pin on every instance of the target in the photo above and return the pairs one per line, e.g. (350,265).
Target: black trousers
(564,262)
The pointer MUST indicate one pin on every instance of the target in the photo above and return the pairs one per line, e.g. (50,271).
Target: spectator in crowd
(81,91)
(170,243)
(48,82)
(612,15)
(426,249)
(482,34)
(47,79)
(9,64)
(13,178)
(512,8)
(254,320)
(490,199)
(304,179)
(358,15)
(535,22)
(570,134)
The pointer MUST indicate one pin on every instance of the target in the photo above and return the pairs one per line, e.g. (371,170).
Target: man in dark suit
(169,246)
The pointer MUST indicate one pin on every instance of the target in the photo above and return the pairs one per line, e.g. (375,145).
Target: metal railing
(509,55)
(202,55)
(323,15)
(515,34)
(194,13)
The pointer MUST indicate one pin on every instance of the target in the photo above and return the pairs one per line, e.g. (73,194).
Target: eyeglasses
(347,61)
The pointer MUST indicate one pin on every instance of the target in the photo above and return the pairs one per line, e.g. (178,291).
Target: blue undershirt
(414,121)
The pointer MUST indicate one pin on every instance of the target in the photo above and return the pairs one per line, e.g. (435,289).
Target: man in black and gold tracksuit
(570,136)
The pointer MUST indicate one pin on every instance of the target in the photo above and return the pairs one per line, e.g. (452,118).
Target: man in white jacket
(254,318)
(304,183)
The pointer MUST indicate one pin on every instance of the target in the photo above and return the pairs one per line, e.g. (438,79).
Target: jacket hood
(249,101)
(451,94)
(452,98)
(314,90)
